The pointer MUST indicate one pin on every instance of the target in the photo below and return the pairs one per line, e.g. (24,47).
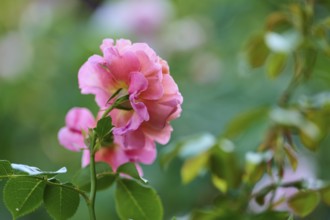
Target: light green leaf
(104,175)
(136,201)
(303,203)
(34,171)
(275,64)
(22,195)
(193,166)
(220,183)
(5,168)
(61,202)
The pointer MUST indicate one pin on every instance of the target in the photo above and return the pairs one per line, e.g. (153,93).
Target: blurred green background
(43,43)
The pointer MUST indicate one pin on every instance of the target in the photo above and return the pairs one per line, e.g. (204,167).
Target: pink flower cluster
(153,101)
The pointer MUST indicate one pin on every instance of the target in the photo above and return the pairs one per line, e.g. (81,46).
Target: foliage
(25,191)
(289,41)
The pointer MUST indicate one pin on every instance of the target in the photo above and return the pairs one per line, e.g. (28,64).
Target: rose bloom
(77,123)
(154,98)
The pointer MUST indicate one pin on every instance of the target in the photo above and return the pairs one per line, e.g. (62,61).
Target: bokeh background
(43,43)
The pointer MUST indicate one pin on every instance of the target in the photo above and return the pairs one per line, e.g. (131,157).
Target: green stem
(92,194)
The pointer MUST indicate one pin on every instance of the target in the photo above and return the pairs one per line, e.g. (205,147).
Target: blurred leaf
(204,215)
(276,21)
(292,156)
(270,215)
(261,194)
(325,193)
(257,51)
(193,166)
(223,154)
(275,64)
(304,202)
(244,120)
(255,166)
(188,147)
(34,171)
(136,201)
(23,195)
(219,183)
(5,168)
(308,142)
(104,175)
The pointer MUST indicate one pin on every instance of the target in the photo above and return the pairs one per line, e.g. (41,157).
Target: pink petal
(122,65)
(146,155)
(95,78)
(162,136)
(85,158)
(79,119)
(113,155)
(71,140)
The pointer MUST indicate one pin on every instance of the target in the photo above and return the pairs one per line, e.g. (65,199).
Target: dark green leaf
(34,171)
(104,126)
(5,168)
(303,203)
(136,201)
(23,195)
(61,202)
(275,64)
(104,175)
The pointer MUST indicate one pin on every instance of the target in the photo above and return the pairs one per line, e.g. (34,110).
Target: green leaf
(34,171)
(22,195)
(129,169)
(61,202)
(303,203)
(193,166)
(136,201)
(5,168)
(257,51)
(103,127)
(275,64)
(104,175)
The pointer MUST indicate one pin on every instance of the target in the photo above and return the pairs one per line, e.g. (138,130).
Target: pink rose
(153,96)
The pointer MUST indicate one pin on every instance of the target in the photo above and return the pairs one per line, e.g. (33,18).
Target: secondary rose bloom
(72,136)
(154,98)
